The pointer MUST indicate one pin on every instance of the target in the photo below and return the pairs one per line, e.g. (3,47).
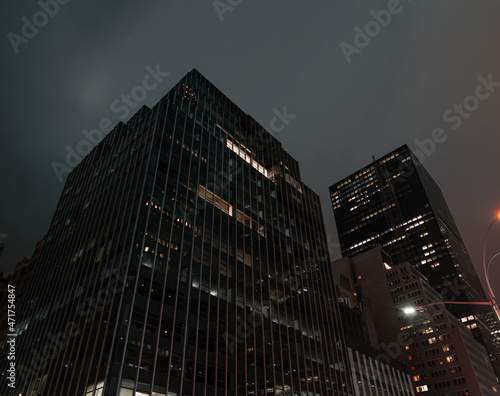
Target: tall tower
(185,257)
(394,203)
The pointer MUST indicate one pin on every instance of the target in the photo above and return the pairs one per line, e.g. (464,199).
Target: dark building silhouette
(2,244)
(394,203)
(19,280)
(370,374)
(185,257)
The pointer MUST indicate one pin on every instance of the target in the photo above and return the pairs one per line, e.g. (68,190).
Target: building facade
(19,278)
(372,376)
(439,351)
(185,257)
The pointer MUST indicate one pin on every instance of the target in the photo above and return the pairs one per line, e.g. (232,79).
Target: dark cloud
(263,55)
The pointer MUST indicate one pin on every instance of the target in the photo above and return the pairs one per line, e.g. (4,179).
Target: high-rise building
(394,203)
(438,350)
(185,257)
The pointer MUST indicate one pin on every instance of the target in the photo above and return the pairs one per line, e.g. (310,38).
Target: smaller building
(437,349)
(19,278)
(373,376)
(370,374)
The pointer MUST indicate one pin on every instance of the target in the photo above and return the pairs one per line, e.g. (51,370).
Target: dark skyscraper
(395,204)
(185,257)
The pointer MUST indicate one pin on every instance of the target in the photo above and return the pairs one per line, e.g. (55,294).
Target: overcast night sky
(263,55)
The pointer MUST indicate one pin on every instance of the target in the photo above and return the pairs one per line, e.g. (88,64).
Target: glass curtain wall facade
(185,257)
(395,204)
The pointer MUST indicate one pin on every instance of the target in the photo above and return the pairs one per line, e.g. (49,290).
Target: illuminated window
(245,154)
(423,388)
(444,337)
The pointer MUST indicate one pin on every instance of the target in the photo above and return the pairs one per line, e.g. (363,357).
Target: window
(438,373)
(432,351)
(444,337)
(417,366)
(442,384)
(412,346)
(458,381)
(398,298)
(437,317)
(435,362)
(423,388)
(397,290)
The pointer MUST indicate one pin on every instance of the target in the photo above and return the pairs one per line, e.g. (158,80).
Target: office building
(185,257)
(370,374)
(395,204)
(439,351)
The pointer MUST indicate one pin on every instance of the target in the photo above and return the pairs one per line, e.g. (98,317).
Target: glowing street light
(491,295)
(486,267)
(410,310)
